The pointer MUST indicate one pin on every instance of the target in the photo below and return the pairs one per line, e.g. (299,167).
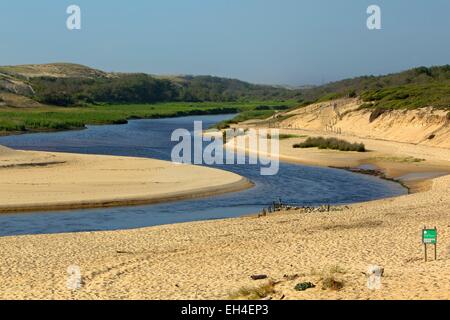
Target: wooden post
(427,240)
(435,252)
(435,246)
(423,241)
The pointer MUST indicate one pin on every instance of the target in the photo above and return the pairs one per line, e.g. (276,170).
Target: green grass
(64,118)
(244,116)
(397,159)
(284,136)
(331,143)
(252,114)
(330,96)
(413,96)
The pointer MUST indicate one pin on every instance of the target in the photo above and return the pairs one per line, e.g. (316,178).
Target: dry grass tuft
(255,293)
(328,277)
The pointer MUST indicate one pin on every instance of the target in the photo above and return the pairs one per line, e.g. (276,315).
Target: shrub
(11,126)
(330,283)
(255,293)
(279,108)
(352,94)
(328,277)
(330,96)
(331,143)
(284,136)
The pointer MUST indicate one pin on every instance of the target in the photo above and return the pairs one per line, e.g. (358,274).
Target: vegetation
(252,114)
(74,85)
(67,96)
(60,118)
(331,143)
(411,89)
(139,88)
(419,77)
(408,159)
(63,118)
(275,107)
(331,283)
(256,293)
(284,136)
(435,94)
(376,114)
(328,277)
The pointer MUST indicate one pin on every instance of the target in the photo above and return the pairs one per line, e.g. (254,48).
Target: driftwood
(258,277)
(280,206)
(290,277)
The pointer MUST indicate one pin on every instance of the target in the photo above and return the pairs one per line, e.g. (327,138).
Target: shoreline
(387,171)
(411,186)
(126,120)
(389,166)
(215,259)
(41,178)
(419,185)
(374,173)
(205,192)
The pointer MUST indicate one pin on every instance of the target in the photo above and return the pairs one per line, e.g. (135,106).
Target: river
(294,184)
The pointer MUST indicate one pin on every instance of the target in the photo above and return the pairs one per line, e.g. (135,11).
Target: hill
(412,106)
(64,84)
(345,117)
(55,70)
(420,76)
(64,96)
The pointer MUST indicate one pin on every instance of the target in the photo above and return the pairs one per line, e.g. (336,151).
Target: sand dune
(424,126)
(412,164)
(32,181)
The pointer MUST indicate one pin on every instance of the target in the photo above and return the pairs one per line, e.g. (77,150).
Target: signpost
(429,236)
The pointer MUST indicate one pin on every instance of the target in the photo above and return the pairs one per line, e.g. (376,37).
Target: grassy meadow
(21,120)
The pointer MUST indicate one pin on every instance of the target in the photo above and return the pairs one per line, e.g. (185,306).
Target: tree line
(143,88)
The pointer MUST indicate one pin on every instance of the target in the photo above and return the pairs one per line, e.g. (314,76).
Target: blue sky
(263,41)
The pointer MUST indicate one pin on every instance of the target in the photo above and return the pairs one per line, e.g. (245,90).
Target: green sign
(429,236)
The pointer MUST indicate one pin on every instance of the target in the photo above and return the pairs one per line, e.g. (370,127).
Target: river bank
(37,181)
(215,259)
(414,166)
(295,184)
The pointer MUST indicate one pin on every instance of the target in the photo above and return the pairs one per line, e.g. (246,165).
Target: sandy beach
(212,260)
(31,181)
(215,259)
(244,152)
(411,164)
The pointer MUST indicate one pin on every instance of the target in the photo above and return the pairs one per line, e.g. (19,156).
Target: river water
(294,184)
